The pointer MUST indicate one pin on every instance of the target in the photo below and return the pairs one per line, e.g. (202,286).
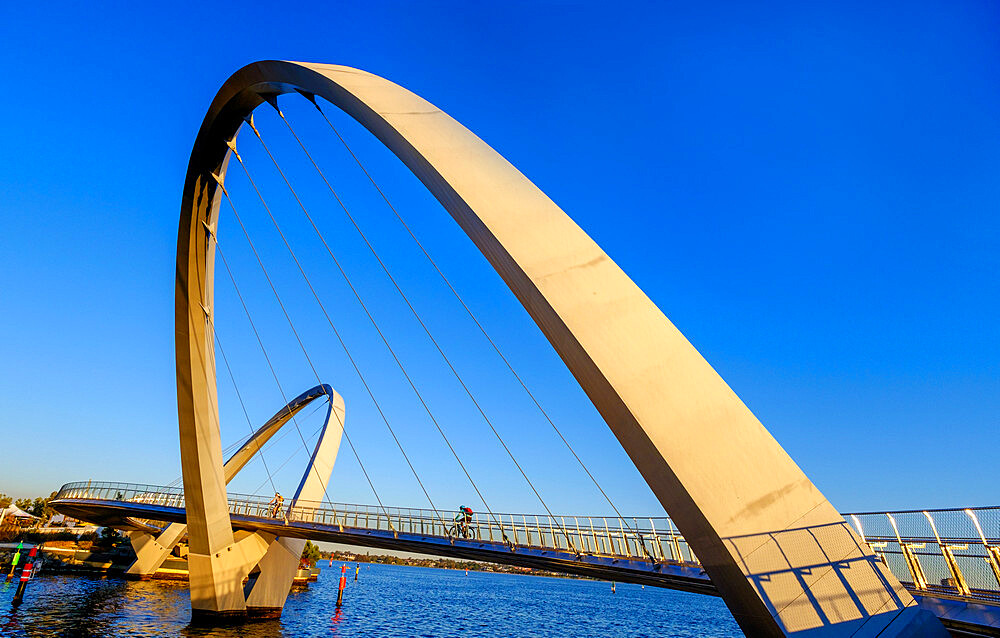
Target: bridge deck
(954,573)
(529,543)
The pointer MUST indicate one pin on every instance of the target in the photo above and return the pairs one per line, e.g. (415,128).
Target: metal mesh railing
(946,551)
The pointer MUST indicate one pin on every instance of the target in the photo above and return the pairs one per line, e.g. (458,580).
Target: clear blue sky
(809,191)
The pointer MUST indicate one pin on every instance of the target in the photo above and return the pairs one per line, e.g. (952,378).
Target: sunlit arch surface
(323,454)
(781,556)
(271,587)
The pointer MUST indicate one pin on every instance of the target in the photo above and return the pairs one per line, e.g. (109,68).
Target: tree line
(38,506)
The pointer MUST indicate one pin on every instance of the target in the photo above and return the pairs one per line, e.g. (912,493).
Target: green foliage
(110,537)
(40,507)
(35,506)
(311,554)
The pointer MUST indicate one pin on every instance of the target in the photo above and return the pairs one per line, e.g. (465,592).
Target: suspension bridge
(744,522)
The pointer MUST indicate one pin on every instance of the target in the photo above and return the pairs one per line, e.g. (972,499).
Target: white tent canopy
(14,511)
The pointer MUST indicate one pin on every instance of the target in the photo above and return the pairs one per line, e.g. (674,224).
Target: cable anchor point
(249,120)
(272,99)
(309,96)
(208,228)
(218,179)
(231,143)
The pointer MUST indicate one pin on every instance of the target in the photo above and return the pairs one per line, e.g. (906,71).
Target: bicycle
(460,529)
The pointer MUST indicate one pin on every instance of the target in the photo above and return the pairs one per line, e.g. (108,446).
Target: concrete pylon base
(264,613)
(211,618)
(216,580)
(277,571)
(150,553)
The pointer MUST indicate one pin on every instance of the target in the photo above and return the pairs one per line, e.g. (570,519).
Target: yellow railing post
(621,526)
(992,553)
(675,541)
(949,558)
(658,546)
(912,563)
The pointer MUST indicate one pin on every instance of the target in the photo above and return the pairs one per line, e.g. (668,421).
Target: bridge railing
(944,552)
(641,538)
(649,538)
(953,552)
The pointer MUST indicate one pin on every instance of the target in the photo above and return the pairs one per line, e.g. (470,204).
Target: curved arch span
(781,556)
(325,452)
(151,551)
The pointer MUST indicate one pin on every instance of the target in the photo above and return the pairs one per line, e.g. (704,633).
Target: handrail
(540,531)
(953,551)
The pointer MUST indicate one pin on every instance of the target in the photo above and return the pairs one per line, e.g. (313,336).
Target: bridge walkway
(949,559)
(648,551)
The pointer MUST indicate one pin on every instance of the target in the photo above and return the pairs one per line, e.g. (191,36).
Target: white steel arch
(784,560)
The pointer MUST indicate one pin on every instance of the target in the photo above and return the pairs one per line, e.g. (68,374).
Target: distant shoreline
(438,563)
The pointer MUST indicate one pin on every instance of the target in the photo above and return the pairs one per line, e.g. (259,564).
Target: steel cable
(374,324)
(325,313)
(465,306)
(419,319)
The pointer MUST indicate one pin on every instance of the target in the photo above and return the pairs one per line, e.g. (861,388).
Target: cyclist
(463,519)
(275,504)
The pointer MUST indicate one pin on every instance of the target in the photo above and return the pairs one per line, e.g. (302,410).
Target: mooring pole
(343,583)
(17,559)
(25,577)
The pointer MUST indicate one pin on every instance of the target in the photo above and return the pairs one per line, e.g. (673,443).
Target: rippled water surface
(386,601)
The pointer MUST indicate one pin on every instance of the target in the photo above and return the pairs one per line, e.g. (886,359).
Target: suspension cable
(409,305)
(284,397)
(330,321)
(260,342)
(377,329)
(216,340)
(225,360)
(268,359)
(467,309)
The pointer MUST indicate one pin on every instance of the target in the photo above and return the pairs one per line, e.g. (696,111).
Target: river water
(387,600)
